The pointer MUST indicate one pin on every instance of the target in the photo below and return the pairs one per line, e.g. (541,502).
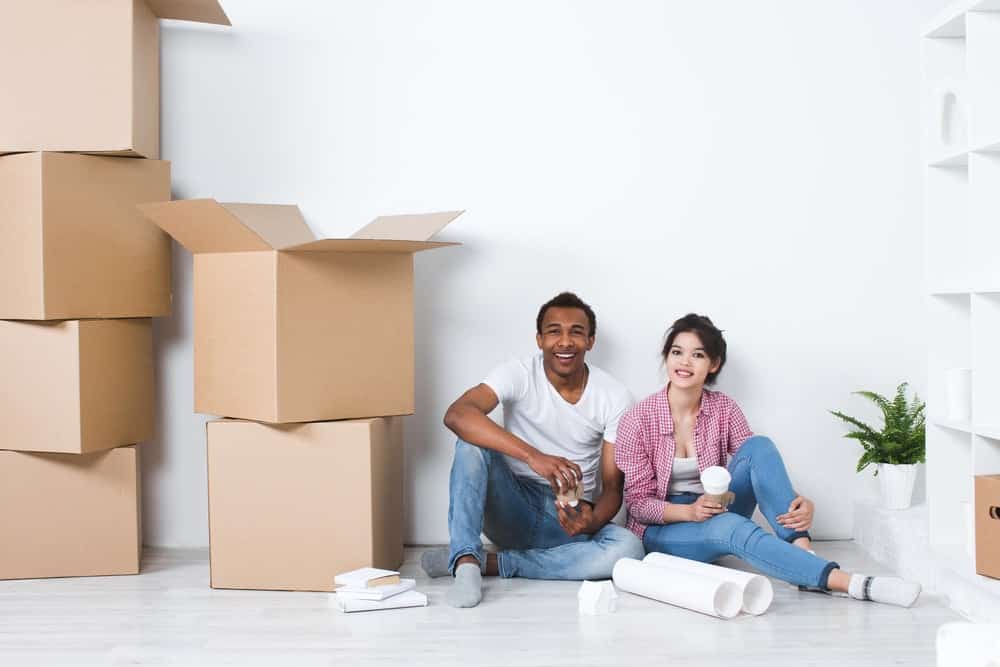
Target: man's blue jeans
(759,476)
(519,516)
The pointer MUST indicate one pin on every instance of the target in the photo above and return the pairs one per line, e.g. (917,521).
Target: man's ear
(590,342)
(538,340)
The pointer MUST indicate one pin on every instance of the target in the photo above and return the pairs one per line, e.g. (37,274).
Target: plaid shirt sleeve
(738,431)
(640,477)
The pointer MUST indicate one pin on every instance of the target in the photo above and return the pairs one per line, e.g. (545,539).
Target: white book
(408,599)
(377,593)
(367,577)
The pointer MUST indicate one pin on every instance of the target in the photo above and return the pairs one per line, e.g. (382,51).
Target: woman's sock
(888,590)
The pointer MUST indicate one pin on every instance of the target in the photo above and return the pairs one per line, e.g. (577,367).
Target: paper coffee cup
(715,480)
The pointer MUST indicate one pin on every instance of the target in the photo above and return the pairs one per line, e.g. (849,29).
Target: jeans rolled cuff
(504,569)
(824,576)
(479,554)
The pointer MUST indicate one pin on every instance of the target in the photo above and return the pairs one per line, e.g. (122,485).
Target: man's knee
(470,458)
(614,544)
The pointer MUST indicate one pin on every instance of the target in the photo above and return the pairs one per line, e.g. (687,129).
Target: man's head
(565,329)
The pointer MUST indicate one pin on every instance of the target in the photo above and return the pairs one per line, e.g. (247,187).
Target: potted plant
(896,449)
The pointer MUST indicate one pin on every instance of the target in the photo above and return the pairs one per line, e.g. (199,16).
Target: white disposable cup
(715,480)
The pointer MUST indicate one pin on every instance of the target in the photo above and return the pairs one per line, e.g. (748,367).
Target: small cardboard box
(292,506)
(291,329)
(73,245)
(69,516)
(987,510)
(75,386)
(85,76)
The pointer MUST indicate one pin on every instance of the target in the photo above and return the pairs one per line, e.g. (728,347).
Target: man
(514,483)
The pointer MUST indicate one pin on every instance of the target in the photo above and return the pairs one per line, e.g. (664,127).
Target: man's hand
(561,473)
(703,509)
(576,520)
(799,515)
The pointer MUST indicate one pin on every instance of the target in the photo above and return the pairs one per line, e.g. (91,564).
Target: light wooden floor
(169,615)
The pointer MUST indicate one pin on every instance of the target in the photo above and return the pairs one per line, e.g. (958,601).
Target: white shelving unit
(961,65)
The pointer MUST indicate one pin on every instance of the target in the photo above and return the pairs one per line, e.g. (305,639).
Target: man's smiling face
(565,340)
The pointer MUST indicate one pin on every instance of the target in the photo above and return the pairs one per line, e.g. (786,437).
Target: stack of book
(371,589)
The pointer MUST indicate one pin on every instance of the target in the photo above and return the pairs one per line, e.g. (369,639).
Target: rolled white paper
(716,480)
(958,386)
(756,591)
(696,592)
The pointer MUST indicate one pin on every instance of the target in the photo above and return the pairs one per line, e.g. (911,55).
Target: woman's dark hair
(709,335)
(567,300)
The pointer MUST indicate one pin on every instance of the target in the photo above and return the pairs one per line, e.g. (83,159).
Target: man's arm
(583,519)
(468,419)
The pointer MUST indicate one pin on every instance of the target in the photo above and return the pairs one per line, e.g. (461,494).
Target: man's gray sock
(889,590)
(467,590)
(435,562)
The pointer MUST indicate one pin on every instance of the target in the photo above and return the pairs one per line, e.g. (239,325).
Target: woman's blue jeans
(759,477)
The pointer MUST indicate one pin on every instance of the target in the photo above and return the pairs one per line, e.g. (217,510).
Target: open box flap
(199,11)
(406,227)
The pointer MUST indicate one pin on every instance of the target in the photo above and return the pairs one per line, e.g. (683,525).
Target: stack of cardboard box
(81,273)
(306,347)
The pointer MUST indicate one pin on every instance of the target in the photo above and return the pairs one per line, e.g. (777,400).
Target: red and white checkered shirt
(645,446)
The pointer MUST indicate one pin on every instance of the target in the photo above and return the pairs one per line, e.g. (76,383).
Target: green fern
(901,438)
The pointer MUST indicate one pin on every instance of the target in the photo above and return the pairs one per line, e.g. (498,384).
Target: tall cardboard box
(75,386)
(292,506)
(63,515)
(85,76)
(987,512)
(72,244)
(291,329)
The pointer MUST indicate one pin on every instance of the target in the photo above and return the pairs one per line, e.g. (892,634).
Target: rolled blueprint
(696,592)
(755,590)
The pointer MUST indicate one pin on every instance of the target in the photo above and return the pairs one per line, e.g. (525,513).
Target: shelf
(985,323)
(951,22)
(946,212)
(988,431)
(963,427)
(959,158)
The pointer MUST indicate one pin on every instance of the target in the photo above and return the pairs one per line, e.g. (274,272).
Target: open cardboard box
(73,245)
(288,328)
(63,515)
(291,506)
(85,76)
(75,386)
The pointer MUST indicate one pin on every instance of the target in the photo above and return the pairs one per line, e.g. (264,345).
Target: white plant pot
(896,483)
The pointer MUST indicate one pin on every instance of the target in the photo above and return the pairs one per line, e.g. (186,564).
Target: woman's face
(688,365)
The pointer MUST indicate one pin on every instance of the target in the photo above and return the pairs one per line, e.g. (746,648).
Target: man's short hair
(567,300)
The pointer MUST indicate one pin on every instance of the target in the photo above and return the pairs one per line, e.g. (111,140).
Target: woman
(667,439)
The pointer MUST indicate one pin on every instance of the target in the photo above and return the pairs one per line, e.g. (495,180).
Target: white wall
(754,161)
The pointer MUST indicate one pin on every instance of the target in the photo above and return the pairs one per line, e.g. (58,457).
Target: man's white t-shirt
(535,412)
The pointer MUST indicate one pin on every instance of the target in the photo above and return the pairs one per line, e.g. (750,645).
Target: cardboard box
(69,516)
(291,329)
(85,76)
(292,506)
(73,245)
(987,510)
(76,386)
